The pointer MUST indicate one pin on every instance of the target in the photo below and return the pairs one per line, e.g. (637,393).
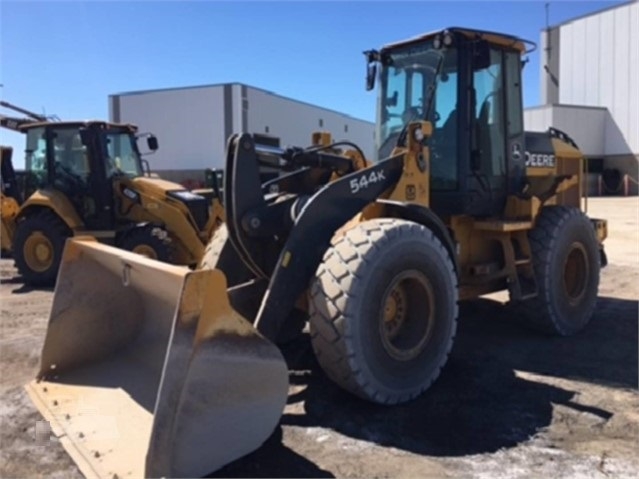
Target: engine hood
(155,186)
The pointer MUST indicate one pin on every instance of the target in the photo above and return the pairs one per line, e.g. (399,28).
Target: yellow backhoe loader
(150,369)
(89,178)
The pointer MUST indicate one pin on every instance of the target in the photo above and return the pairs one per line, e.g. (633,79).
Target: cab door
(497,154)
(73,173)
(488,160)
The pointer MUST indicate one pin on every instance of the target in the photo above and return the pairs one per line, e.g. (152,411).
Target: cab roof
(75,124)
(492,37)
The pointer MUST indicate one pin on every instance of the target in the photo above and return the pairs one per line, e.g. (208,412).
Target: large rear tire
(566,262)
(383,310)
(38,246)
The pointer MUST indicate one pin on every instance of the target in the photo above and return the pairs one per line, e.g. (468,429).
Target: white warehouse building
(590,89)
(192,124)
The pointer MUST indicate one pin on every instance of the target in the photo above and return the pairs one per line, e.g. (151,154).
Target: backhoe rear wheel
(566,263)
(38,246)
(383,310)
(147,241)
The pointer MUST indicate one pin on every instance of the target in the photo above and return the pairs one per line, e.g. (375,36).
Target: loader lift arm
(308,218)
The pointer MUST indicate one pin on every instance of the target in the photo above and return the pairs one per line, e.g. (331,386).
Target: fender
(426,217)
(56,201)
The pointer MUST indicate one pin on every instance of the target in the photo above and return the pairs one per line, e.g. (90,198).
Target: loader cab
(468,85)
(81,160)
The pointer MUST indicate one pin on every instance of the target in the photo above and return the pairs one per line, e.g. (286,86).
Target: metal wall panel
(193,124)
(606,62)
(633,97)
(578,77)
(584,125)
(538,118)
(620,85)
(189,124)
(294,122)
(590,70)
(599,66)
(565,74)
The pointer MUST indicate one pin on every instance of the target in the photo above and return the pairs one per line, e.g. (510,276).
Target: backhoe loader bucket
(147,371)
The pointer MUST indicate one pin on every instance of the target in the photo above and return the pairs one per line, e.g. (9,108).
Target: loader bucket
(147,371)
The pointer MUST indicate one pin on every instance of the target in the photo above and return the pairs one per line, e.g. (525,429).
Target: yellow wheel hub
(408,318)
(395,311)
(146,250)
(576,273)
(38,252)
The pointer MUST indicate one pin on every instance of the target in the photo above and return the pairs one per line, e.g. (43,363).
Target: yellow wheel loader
(151,370)
(88,178)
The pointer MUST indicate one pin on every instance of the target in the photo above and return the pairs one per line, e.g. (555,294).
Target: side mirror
(481,55)
(372,57)
(152,143)
(371,75)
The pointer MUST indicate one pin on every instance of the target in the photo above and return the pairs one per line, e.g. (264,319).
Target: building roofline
(175,88)
(590,14)
(217,85)
(566,105)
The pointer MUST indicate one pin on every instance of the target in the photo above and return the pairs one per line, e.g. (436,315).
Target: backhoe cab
(374,253)
(89,178)
(81,160)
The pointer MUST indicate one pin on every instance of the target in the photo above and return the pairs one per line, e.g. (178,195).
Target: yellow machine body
(155,205)
(149,369)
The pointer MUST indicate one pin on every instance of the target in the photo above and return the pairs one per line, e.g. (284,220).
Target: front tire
(383,310)
(220,254)
(38,247)
(566,262)
(146,241)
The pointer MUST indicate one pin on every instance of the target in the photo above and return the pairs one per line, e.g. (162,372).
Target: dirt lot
(508,404)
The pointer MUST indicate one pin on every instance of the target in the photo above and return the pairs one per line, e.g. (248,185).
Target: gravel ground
(508,404)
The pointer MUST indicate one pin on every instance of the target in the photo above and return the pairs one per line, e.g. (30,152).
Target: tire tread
(338,279)
(535,312)
(55,227)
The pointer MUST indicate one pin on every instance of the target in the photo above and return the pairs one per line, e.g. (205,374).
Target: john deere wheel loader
(153,370)
(88,178)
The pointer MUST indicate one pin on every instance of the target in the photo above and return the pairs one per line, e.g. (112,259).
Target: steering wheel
(68,178)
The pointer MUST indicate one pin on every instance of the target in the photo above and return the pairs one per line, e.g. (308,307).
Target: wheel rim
(407,317)
(146,250)
(38,252)
(576,273)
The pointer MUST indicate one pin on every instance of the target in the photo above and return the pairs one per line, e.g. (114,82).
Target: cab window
(70,157)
